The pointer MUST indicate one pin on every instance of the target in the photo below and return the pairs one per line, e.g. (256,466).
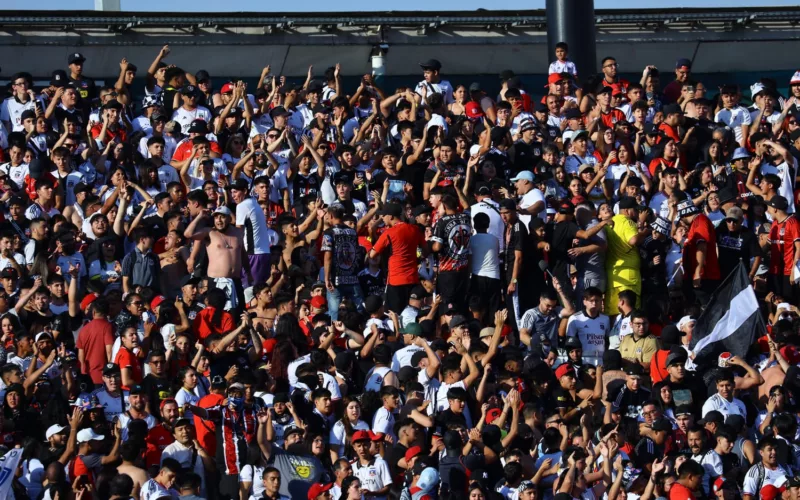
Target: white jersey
(152,490)
(113,406)
(338,435)
(592,333)
(11,112)
(16,173)
(776,477)
(497,227)
(403,357)
(383,423)
(563,67)
(374,476)
(722,405)
(735,118)
(125,419)
(186,116)
(443,87)
(375,378)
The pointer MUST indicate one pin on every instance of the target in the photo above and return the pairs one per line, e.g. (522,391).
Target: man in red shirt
(784,237)
(699,253)
(401,242)
(610,78)
(184,148)
(683,68)
(95,341)
(672,118)
(608,115)
(206,429)
(110,128)
(162,435)
(690,479)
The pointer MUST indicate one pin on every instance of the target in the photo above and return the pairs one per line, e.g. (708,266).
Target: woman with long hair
(663,394)
(234,149)
(342,431)
(148,176)
(191,390)
(461,96)
(316,446)
(605,147)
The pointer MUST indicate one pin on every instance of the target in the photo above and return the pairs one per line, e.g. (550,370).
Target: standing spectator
(95,340)
(622,258)
(340,244)
(450,240)
(784,238)
(141,267)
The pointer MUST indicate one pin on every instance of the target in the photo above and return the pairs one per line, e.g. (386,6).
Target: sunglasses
(273,136)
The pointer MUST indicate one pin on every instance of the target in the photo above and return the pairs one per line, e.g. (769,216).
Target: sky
(360,5)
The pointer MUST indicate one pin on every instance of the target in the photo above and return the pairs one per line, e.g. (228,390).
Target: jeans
(352,292)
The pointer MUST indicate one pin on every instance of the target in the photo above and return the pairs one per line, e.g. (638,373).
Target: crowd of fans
(313,291)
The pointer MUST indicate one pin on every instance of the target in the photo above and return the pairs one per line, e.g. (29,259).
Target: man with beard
(697,445)
(225,248)
(162,435)
(137,398)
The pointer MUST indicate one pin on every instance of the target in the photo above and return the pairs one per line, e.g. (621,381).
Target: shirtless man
(224,245)
(130,452)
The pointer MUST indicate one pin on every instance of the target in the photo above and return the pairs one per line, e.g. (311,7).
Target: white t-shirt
(4,263)
(125,419)
(11,112)
(592,333)
(497,227)
(722,405)
(256,231)
(485,251)
(292,368)
(184,456)
(338,434)
(402,357)
(443,87)
(253,474)
(529,199)
(186,396)
(775,477)
(383,422)
(112,405)
(185,117)
(16,173)
(734,118)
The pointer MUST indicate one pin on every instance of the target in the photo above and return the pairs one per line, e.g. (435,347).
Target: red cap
(791,354)
(493,415)
(473,110)
(319,302)
(554,78)
(227,88)
(375,436)
(157,300)
(565,369)
(770,492)
(87,301)
(360,436)
(318,489)
(412,452)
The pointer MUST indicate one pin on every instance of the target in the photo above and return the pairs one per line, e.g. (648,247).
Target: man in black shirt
(84,85)
(516,235)
(653,253)
(736,243)
(565,232)
(450,240)
(631,396)
(526,153)
(156,384)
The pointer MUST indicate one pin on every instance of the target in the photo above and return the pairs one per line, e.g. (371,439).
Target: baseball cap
(54,429)
(293,429)
(584,167)
(676,356)
(457,320)
(223,210)
(572,113)
(571,343)
(419,292)
(565,369)
(41,335)
(683,410)
(627,202)
(507,74)
(433,64)
(412,452)
(318,489)
(227,88)
(474,87)
(189,280)
(525,175)
(198,127)
(683,63)
(157,301)
(581,134)
(473,110)
(9,272)
(672,109)
(278,111)
(76,57)
(58,78)
(486,332)
(111,369)
(189,90)
(136,389)
(795,80)
(360,436)
(740,153)
(634,370)
(778,202)
(240,185)
(685,320)
(735,213)
(525,486)
(88,434)
(88,299)
(318,302)
(554,78)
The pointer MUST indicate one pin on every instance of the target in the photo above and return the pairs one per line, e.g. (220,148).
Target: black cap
(76,57)
(59,78)
(540,107)
(474,87)
(604,89)
(507,74)
(391,209)
(189,90)
(136,389)
(182,421)
(111,369)
(735,422)
(240,185)
(677,356)
(372,304)
(683,410)
(431,64)
(670,335)
(113,104)
(572,113)
(9,273)
(573,343)
(198,127)
(650,129)
(778,202)
(313,86)
(189,280)
(202,76)
(342,178)
(81,187)
(28,113)
(634,370)
(421,210)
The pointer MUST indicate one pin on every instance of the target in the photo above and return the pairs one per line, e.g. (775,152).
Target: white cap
(42,334)
(783,305)
(756,88)
(87,435)
(567,135)
(53,430)
(473,150)
(685,321)
(795,78)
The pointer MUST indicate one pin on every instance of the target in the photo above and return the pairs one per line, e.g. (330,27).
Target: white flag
(8,466)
